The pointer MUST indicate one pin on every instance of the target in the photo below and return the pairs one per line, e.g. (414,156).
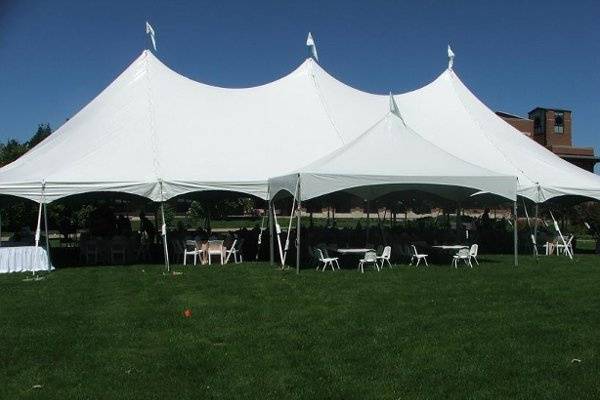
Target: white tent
(388,157)
(446,113)
(157,134)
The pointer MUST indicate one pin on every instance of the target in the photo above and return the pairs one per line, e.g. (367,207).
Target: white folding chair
(326,261)
(215,248)
(473,253)
(385,256)
(369,258)
(463,254)
(234,251)
(416,255)
(549,246)
(565,248)
(190,248)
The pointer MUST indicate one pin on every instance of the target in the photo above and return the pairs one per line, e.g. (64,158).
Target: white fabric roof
(448,114)
(390,156)
(153,125)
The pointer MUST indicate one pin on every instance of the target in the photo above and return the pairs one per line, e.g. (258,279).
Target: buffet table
(23,259)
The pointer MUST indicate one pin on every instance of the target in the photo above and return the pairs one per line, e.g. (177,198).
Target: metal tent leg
(271,235)
(298,225)
(47,238)
(515,235)
(164,236)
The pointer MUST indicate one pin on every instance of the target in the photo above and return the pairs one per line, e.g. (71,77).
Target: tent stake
(515,235)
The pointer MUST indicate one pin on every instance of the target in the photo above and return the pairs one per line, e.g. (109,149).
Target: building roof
(549,109)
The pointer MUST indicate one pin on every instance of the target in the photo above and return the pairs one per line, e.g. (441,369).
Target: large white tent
(157,134)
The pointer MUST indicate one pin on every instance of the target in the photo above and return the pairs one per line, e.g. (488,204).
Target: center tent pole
(515,234)
(299,213)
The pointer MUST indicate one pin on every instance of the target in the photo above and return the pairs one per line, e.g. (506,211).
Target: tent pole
(271,238)
(46,233)
(458,223)
(535,228)
(368,220)
(39,223)
(298,230)
(164,236)
(164,226)
(515,234)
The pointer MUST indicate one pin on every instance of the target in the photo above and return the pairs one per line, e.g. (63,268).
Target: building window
(559,122)
(537,125)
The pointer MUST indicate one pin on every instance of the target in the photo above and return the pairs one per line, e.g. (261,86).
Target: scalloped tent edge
(155,133)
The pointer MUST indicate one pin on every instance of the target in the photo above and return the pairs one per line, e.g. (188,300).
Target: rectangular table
(23,259)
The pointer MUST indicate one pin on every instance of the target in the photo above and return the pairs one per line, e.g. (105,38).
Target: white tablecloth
(353,251)
(23,258)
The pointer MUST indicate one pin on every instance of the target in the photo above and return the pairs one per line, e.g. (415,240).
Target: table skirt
(23,258)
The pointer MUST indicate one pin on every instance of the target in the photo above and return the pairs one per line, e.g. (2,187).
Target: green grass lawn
(118,332)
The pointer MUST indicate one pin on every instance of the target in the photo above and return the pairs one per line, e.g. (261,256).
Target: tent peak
(450,57)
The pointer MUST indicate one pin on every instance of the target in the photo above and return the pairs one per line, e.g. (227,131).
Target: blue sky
(56,56)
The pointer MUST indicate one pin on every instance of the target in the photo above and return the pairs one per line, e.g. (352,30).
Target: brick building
(552,129)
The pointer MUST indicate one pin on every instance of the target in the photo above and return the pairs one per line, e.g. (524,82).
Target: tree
(42,133)
(10,151)
(13,149)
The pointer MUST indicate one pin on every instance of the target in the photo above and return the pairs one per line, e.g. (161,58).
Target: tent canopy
(447,113)
(157,134)
(390,156)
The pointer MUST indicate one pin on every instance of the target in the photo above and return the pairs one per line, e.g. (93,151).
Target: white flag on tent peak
(150,31)
(450,57)
(310,42)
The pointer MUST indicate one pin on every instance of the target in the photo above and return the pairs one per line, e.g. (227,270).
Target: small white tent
(388,157)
